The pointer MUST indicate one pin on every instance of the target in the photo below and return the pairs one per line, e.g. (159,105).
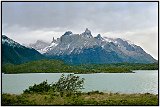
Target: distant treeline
(56,66)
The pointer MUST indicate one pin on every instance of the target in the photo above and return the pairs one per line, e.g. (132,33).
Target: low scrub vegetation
(90,98)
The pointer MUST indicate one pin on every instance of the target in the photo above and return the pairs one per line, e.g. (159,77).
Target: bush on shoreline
(69,84)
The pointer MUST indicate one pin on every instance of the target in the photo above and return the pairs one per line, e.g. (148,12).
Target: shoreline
(132,71)
(66,72)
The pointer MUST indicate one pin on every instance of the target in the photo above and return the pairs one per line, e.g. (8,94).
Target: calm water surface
(142,81)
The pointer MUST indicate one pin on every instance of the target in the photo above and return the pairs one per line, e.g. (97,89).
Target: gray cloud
(104,16)
(29,21)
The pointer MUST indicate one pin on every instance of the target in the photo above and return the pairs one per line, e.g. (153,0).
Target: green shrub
(69,84)
(42,87)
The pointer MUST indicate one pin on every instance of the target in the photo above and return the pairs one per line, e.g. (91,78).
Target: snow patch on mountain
(48,48)
(10,42)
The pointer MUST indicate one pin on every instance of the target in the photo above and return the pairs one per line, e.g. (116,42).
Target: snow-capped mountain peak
(67,33)
(87,33)
(39,45)
(99,37)
(10,42)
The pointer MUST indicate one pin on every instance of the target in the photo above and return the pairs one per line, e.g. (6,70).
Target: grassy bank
(90,98)
(55,66)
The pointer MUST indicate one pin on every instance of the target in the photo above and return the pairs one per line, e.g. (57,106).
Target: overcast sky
(26,22)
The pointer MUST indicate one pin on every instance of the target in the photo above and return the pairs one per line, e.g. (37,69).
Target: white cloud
(24,35)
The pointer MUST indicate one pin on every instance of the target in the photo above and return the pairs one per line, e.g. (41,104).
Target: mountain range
(76,49)
(85,49)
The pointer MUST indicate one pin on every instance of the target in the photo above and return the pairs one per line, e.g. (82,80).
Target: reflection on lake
(142,81)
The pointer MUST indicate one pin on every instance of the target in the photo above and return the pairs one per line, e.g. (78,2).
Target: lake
(142,81)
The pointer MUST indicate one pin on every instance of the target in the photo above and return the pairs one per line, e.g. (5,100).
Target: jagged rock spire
(87,33)
(68,33)
(99,37)
(53,41)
